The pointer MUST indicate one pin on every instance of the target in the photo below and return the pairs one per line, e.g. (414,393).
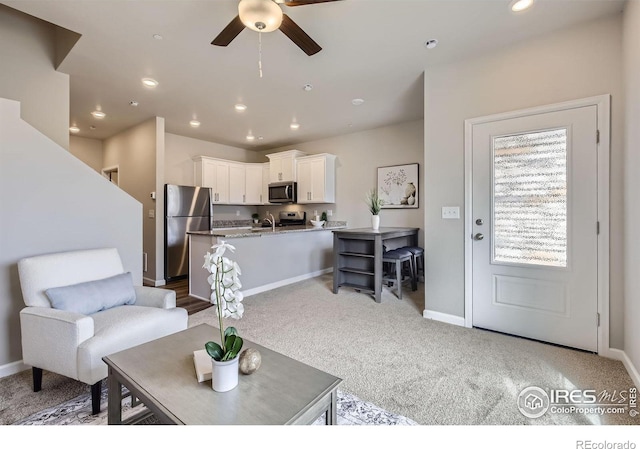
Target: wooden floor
(183,299)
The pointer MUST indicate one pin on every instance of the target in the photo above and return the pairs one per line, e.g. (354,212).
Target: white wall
(180,150)
(632,181)
(27,55)
(580,62)
(137,152)
(358,157)
(88,151)
(49,201)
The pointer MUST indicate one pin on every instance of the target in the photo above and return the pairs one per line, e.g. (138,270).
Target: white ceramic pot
(375,222)
(224,375)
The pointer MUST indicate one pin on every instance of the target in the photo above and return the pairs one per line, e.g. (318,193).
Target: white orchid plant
(227,298)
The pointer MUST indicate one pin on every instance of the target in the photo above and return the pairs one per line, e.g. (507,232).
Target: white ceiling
(372,49)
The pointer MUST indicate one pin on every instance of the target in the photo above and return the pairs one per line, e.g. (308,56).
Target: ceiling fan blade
(305,2)
(229,33)
(298,36)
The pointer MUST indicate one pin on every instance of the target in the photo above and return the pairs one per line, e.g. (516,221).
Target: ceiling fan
(266,15)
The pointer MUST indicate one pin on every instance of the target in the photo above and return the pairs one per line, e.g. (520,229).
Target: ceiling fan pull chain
(260,53)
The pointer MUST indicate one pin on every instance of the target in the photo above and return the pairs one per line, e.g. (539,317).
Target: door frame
(603,105)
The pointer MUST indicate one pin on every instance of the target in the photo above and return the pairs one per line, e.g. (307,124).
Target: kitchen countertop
(259,231)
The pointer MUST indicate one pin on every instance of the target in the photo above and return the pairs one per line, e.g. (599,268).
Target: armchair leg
(96,390)
(37,379)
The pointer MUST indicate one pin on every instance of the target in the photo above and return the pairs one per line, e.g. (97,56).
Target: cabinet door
(253,184)
(208,174)
(288,169)
(237,177)
(304,181)
(317,182)
(275,170)
(221,183)
(266,179)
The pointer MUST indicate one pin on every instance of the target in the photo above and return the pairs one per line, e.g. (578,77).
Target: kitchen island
(268,258)
(357,256)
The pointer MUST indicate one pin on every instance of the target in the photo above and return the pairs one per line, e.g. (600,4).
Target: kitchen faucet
(272,222)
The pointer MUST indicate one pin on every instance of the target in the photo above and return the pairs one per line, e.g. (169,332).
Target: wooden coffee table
(161,375)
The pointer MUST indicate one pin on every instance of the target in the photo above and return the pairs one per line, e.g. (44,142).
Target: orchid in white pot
(227,297)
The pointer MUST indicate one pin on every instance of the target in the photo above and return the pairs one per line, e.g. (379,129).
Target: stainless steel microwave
(283,192)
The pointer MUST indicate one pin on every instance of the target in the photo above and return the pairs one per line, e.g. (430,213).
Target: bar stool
(418,260)
(399,257)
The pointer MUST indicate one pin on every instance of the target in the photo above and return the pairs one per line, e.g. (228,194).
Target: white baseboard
(282,283)
(622,356)
(154,282)
(12,368)
(444,317)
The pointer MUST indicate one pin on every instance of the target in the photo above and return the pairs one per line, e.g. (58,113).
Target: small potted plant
(256,218)
(374,203)
(227,298)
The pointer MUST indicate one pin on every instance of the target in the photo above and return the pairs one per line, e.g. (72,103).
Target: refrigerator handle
(210,209)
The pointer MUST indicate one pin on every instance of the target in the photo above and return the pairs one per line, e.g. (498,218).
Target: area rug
(351,411)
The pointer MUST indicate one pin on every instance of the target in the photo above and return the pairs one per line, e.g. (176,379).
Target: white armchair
(57,337)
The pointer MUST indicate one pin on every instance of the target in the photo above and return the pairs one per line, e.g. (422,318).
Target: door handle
(478,236)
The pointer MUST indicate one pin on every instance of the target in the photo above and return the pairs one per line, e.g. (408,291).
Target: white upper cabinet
(237,183)
(253,184)
(282,166)
(231,182)
(266,179)
(214,173)
(316,178)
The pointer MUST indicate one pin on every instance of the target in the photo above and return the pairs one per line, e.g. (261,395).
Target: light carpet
(431,372)
(351,411)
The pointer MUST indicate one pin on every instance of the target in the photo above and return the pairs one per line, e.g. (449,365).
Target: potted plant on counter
(227,298)
(256,218)
(374,203)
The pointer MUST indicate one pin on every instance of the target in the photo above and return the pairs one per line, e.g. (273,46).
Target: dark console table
(357,256)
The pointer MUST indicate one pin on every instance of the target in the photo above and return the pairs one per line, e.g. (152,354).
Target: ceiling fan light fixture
(260,15)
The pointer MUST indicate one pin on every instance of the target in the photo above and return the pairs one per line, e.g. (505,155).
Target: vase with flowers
(374,203)
(227,298)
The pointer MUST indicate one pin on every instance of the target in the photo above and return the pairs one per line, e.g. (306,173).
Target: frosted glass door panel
(530,198)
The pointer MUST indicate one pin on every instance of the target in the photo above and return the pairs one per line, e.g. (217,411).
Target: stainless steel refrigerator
(187,208)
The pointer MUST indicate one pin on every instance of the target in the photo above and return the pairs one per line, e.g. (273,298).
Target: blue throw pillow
(93,296)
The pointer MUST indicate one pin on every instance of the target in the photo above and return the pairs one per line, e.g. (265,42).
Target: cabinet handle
(261,197)
(244,198)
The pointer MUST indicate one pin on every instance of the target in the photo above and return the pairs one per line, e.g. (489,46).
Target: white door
(534,223)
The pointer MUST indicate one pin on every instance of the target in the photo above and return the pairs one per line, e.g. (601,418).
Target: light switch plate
(451,213)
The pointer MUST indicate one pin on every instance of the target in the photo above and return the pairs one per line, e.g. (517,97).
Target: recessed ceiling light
(520,5)
(194,123)
(149,82)
(99,114)
(133,103)
(240,107)
(431,43)
(357,101)
(260,137)
(294,125)
(92,127)
(250,137)
(157,37)
(307,87)
(74,129)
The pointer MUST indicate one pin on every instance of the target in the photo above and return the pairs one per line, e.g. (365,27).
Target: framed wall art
(398,186)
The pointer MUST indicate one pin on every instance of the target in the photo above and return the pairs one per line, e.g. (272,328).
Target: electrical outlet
(329,213)
(237,213)
(451,213)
